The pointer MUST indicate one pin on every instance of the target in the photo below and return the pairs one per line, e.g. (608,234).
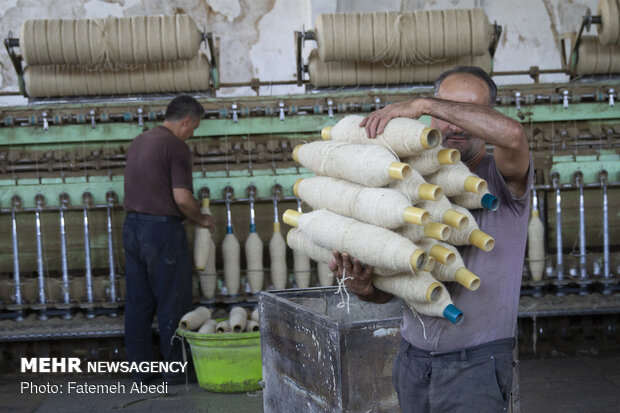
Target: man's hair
(183,106)
(474,71)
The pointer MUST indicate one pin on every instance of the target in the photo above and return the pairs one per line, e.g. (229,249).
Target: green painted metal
(271,125)
(98,186)
(589,165)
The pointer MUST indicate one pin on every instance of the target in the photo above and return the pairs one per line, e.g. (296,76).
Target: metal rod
(559,268)
(41,275)
(89,274)
(606,272)
(111,256)
(583,269)
(16,275)
(229,227)
(63,258)
(251,192)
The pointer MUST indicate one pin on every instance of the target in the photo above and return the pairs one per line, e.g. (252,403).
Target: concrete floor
(564,384)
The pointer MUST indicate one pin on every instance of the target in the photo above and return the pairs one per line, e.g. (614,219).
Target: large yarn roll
(254,259)
(415,188)
(277,254)
(195,318)
(470,200)
(109,41)
(430,161)
(324,274)
(180,76)
(609,29)
(370,244)
(470,234)
(298,241)
(456,179)
(418,287)
(536,245)
(455,271)
(325,74)
(369,165)
(400,38)
(383,207)
(231,251)
(202,239)
(208,277)
(403,136)
(443,307)
(597,59)
(442,211)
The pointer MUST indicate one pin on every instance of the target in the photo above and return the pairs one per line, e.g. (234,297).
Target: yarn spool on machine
(62,157)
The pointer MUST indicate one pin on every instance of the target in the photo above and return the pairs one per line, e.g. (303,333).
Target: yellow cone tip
(418,259)
(399,170)
(417,216)
(448,156)
(200,268)
(481,240)
(467,279)
(455,219)
(433,292)
(442,254)
(276,227)
(430,137)
(535,213)
(475,185)
(437,231)
(296,187)
(205,203)
(430,192)
(326,133)
(296,153)
(291,217)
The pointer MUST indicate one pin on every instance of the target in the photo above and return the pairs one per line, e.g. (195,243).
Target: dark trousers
(477,379)
(158,280)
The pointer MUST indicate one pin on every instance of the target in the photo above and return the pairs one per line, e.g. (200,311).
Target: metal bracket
(300,38)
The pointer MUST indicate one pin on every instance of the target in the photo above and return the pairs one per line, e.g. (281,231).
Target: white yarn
(426,162)
(277,253)
(439,208)
(195,318)
(451,178)
(411,187)
(468,200)
(342,290)
(254,259)
(237,319)
(403,136)
(383,207)
(363,164)
(298,241)
(231,251)
(208,277)
(410,287)
(536,246)
(301,269)
(370,244)
(222,327)
(208,327)
(434,309)
(324,274)
(202,242)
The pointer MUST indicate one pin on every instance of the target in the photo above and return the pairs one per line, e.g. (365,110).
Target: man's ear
(187,121)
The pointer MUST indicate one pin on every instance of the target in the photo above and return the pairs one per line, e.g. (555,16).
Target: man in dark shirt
(158,197)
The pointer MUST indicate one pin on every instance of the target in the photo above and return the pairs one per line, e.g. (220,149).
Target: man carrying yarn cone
(158,197)
(442,367)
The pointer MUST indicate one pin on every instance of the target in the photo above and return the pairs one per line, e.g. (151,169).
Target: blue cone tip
(490,202)
(453,314)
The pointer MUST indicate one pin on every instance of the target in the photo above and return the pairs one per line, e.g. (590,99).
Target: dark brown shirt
(157,161)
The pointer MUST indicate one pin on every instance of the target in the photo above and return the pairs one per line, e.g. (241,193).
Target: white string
(182,339)
(342,287)
(415,313)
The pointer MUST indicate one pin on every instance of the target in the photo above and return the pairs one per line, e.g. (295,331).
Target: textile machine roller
(61,176)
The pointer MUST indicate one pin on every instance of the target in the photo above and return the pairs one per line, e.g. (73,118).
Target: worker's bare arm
(189,207)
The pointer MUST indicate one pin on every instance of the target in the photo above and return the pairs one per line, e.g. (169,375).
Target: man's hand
(376,121)
(361,282)
(208,221)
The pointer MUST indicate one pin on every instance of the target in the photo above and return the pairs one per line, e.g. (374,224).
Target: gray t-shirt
(490,313)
